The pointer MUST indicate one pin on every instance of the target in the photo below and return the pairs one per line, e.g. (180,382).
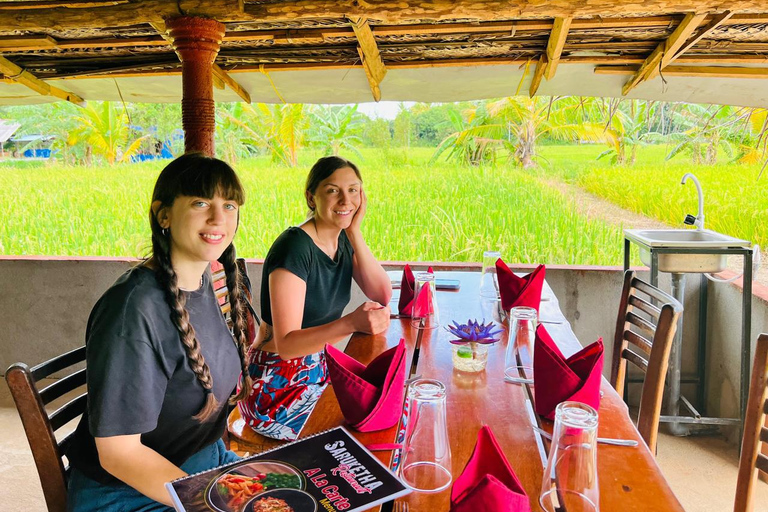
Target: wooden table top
(629,477)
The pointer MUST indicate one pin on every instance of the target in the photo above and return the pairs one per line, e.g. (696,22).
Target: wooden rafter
(369,54)
(555,45)
(666,49)
(71,4)
(538,74)
(26,42)
(692,71)
(23,77)
(716,22)
(144,11)
(231,82)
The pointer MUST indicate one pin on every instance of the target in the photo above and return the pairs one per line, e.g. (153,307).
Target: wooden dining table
(629,478)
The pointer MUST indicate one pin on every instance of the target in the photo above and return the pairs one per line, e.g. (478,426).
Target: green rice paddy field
(417,211)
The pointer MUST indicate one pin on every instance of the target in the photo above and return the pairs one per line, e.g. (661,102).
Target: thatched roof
(323,51)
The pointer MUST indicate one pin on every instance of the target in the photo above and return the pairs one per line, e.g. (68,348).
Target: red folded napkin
(370,397)
(488,482)
(519,291)
(405,305)
(557,379)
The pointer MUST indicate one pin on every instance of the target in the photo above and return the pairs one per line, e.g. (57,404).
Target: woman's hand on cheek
(357,220)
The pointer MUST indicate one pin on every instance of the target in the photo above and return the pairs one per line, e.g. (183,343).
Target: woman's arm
(287,293)
(128,460)
(368,273)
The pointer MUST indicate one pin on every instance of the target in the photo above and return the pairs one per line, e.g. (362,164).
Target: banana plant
(333,129)
(105,129)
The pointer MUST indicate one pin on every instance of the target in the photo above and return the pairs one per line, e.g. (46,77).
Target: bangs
(196,175)
(217,178)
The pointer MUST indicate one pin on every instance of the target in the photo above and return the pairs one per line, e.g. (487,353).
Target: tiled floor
(701,470)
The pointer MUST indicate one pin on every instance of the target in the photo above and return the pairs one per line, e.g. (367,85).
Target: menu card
(330,471)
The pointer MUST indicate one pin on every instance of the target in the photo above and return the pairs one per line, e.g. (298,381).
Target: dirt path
(597,208)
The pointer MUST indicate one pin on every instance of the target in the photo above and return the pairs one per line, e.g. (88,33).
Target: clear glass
(489,286)
(425,312)
(470,357)
(427,451)
(570,478)
(518,362)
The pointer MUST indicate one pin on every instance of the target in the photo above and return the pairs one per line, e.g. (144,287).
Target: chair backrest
(755,433)
(40,425)
(647,322)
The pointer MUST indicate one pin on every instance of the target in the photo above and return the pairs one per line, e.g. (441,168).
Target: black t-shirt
(329,282)
(139,380)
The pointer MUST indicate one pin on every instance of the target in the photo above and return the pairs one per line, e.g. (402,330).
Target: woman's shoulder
(135,292)
(291,240)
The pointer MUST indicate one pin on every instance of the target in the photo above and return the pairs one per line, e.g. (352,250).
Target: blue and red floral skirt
(284,392)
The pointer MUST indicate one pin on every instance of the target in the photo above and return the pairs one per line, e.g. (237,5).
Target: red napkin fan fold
(488,482)
(407,285)
(557,379)
(519,291)
(370,397)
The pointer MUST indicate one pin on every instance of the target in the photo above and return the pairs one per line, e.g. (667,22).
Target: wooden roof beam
(710,27)
(555,45)
(369,54)
(70,4)
(144,11)
(24,77)
(538,74)
(669,47)
(231,83)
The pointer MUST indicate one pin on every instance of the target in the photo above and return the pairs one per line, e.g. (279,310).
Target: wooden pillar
(196,41)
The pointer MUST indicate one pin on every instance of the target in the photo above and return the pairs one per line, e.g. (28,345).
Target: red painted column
(196,41)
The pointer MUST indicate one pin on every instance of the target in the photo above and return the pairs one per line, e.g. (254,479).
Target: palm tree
(278,129)
(333,129)
(517,124)
(105,129)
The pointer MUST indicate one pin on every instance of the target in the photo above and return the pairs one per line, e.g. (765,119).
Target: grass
(418,211)
(735,201)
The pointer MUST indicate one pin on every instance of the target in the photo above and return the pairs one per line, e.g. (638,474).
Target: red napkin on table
(488,482)
(557,379)
(370,397)
(405,305)
(519,291)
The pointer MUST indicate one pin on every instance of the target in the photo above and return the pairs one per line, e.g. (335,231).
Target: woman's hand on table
(370,318)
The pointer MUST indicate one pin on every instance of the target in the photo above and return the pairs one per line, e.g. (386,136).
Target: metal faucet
(697,221)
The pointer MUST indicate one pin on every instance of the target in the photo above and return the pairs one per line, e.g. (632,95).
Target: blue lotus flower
(474,332)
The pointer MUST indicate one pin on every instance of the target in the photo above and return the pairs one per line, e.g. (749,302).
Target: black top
(139,380)
(329,282)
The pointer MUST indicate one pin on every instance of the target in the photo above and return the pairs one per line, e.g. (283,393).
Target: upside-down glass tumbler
(570,478)
(427,450)
(518,362)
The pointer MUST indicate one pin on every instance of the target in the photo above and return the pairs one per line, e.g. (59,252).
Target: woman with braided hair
(161,360)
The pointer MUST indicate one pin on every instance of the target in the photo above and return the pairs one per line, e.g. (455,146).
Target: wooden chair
(647,320)
(40,424)
(755,433)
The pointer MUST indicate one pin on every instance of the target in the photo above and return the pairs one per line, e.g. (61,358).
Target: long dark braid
(176,300)
(237,314)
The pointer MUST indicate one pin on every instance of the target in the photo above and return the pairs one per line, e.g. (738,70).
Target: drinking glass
(425,312)
(489,287)
(570,478)
(518,362)
(427,451)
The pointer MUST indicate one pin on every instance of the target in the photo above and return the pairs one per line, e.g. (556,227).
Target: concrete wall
(45,302)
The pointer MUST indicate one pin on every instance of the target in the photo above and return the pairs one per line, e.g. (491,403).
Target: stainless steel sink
(684,239)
